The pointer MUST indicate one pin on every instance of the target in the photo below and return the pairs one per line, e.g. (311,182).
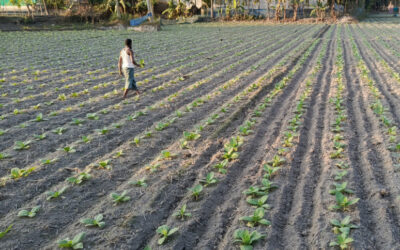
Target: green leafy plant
(267,185)
(4,156)
(277,161)
(92,116)
(182,214)
(77,122)
(342,226)
(68,149)
(75,243)
(254,192)
(19,145)
(340,187)
(102,131)
(343,203)
(40,137)
(59,130)
(196,191)
(140,183)
(256,218)
(165,232)
(221,166)
(105,164)
(261,202)
(86,139)
(119,198)
(18,173)
(56,194)
(48,161)
(39,118)
(209,180)
(78,179)
(32,213)
(97,221)
(246,239)
(191,136)
(269,171)
(343,241)
(3,233)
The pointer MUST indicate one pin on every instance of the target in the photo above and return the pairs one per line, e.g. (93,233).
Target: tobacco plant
(140,183)
(247,239)
(261,202)
(40,137)
(18,173)
(341,188)
(78,179)
(343,226)
(119,198)
(56,194)
(19,145)
(221,166)
(256,218)
(3,233)
(343,203)
(182,214)
(97,221)
(32,213)
(196,191)
(75,243)
(165,232)
(209,180)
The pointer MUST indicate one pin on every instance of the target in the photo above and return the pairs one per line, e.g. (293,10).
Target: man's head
(128,42)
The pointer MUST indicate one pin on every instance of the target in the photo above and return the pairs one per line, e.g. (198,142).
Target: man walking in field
(126,65)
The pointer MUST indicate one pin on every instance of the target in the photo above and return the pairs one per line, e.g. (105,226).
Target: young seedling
(196,191)
(75,243)
(209,180)
(105,164)
(337,154)
(59,130)
(277,161)
(342,165)
(19,145)
(120,198)
(165,232)
(254,192)
(138,114)
(39,118)
(56,194)
(341,188)
(86,139)
(95,222)
(40,137)
(77,122)
(30,214)
(267,185)
(270,171)
(140,183)
(182,214)
(4,156)
(81,177)
(221,166)
(256,218)
(261,202)
(343,241)
(18,173)
(167,155)
(102,131)
(68,149)
(343,203)
(3,233)
(246,239)
(92,116)
(191,136)
(342,226)
(339,175)
(48,161)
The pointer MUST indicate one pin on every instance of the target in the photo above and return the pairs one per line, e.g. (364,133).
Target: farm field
(266,136)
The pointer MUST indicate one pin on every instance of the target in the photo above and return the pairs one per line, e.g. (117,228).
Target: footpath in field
(245,136)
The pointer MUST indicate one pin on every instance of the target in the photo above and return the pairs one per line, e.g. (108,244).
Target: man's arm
(133,58)
(120,65)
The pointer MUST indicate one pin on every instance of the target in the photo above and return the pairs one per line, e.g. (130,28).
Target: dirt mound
(347,19)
